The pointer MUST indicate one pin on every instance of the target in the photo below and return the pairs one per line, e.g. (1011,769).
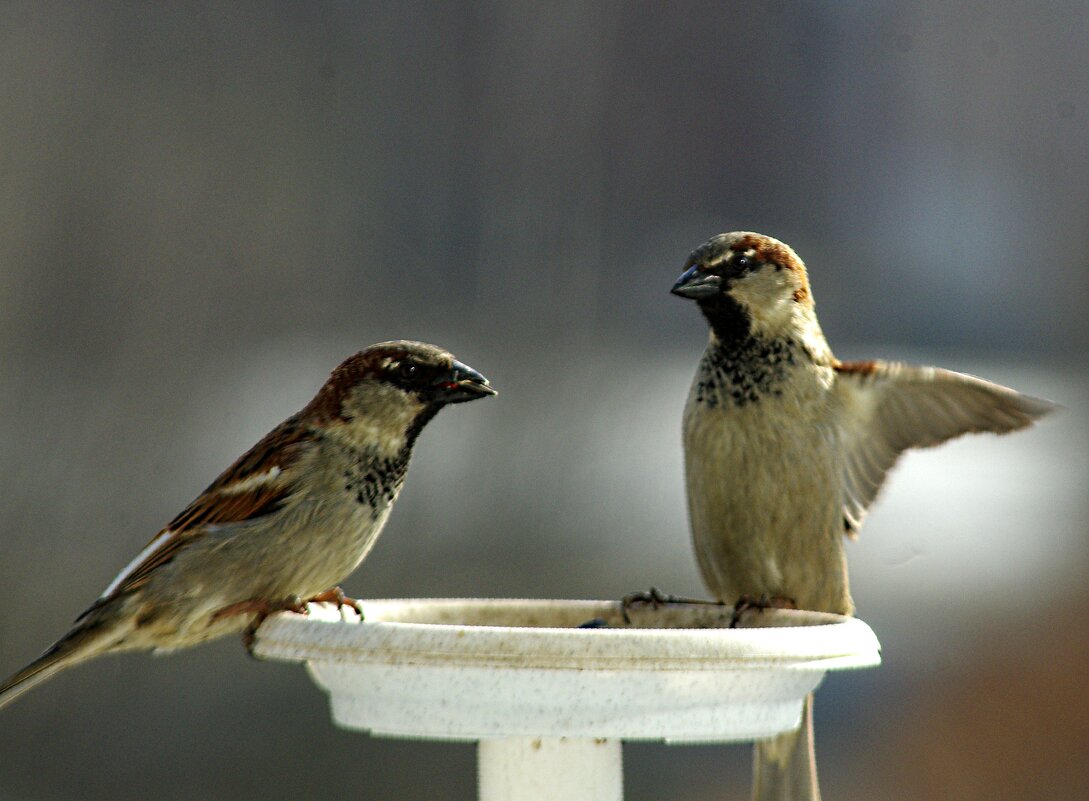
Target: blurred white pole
(550,769)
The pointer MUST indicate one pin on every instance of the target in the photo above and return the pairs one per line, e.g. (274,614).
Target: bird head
(383,395)
(747,283)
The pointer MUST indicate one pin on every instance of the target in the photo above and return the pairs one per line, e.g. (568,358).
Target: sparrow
(786,447)
(289,520)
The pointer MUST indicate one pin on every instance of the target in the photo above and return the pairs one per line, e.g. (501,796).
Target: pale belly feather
(765,501)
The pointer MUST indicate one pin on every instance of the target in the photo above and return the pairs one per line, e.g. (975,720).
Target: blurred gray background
(205,207)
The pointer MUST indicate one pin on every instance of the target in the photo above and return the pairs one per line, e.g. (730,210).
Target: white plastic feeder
(550,702)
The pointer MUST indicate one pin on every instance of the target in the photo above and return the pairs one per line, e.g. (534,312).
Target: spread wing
(892,407)
(254,486)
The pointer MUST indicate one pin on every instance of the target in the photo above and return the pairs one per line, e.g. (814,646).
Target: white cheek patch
(767,294)
(152,546)
(380,417)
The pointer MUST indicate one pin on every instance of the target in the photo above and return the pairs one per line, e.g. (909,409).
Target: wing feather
(256,485)
(892,407)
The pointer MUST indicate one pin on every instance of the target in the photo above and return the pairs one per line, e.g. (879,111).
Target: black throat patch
(375,481)
(743,371)
(727,319)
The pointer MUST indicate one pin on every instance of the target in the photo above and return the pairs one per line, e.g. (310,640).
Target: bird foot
(747,603)
(336,596)
(655,599)
(260,608)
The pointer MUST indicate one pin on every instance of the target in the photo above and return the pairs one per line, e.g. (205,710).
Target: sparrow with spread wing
(786,447)
(288,521)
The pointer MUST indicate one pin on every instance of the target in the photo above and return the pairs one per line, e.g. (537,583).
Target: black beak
(696,285)
(463,384)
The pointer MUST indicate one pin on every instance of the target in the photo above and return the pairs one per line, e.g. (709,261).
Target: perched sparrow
(786,446)
(289,520)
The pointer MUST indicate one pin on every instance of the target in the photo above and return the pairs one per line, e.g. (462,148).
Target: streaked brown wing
(254,486)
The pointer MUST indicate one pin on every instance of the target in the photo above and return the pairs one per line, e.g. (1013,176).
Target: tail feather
(785,767)
(80,644)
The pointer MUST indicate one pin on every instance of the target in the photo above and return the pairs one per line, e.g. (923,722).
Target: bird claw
(748,603)
(652,598)
(655,599)
(260,609)
(336,596)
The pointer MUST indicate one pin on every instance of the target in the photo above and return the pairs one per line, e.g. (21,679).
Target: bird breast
(763,477)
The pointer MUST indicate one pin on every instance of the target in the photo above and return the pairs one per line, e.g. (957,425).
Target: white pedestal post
(550,769)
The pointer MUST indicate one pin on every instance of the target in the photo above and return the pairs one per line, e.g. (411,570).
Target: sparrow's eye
(742,262)
(406,370)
